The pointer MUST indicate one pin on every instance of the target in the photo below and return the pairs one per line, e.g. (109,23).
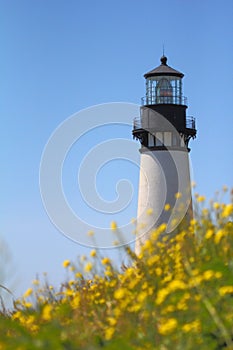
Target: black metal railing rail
(190,123)
(137,124)
(154,99)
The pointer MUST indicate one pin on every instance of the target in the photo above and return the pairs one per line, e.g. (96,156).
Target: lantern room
(164,85)
(164,98)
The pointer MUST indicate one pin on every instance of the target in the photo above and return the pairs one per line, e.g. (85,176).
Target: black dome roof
(163,69)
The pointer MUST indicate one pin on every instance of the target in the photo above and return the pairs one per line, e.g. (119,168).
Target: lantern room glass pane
(163,89)
(164,93)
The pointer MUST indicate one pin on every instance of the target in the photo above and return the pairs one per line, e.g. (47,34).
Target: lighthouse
(164,132)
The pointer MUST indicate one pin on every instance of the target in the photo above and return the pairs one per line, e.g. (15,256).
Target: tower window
(175,140)
(167,138)
(151,140)
(159,138)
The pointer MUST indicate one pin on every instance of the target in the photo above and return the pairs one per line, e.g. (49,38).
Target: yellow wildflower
(205,212)
(218,274)
(176,284)
(133,283)
(150,290)
(113,226)
(227,211)
(196,280)
(119,293)
(225,290)
(167,207)
(69,292)
(108,273)
(105,261)
(207,275)
(192,326)
(28,292)
(209,234)
(88,267)
(145,285)
(90,233)
(109,333)
(216,205)
(66,263)
(162,228)
(158,271)
(78,275)
(29,320)
(133,221)
(178,195)
(36,282)
(149,211)
(142,296)
(135,307)
(219,234)
(201,199)
(112,321)
(16,315)
(147,245)
(161,296)
(26,304)
(93,253)
(182,305)
(193,222)
(75,302)
(167,309)
(46,313)
(167,326)
(117,312)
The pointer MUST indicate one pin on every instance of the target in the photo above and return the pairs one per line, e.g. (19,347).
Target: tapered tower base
(164,179)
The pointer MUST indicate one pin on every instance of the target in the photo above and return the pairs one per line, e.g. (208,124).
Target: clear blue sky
(58,57)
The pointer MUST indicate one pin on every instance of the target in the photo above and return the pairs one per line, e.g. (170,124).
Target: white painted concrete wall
(162,175)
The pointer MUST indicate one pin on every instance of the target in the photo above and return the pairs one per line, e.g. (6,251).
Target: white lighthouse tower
(164,131)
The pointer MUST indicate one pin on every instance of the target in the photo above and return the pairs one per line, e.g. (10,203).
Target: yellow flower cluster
(177,291)
(167,326)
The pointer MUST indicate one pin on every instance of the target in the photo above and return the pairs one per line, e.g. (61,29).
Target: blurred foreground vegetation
(177,294)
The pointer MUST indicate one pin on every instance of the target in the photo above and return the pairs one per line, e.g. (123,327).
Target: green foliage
(176,294)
